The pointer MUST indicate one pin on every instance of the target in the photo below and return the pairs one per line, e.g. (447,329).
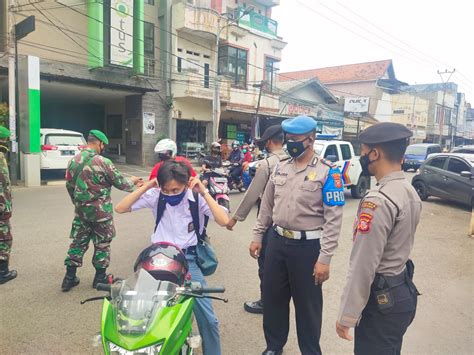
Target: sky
(420,36)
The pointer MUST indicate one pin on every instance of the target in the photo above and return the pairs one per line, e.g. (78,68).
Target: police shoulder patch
(333,189)
(365,220)
(368,204)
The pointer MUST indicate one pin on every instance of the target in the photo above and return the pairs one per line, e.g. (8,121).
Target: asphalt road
(37,318)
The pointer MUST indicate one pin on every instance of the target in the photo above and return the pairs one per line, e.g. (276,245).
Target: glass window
(271,71)
(437,162)
(331,150)
(233,63)
(60,139)
(346,152)
(150,2)
(457,165)
(149,38)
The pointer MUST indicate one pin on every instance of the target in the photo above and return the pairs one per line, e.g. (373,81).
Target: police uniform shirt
(257,187)
(383,237)
(293,199)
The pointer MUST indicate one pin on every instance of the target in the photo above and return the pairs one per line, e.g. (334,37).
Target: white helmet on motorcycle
(235,144)
(215,147)
(166,146)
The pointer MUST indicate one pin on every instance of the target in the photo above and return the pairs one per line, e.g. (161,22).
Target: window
(206,75)
(206,56)
(398,112)
(346,152)
(179,65)
(272,66)
(150,2)
(233,63)
(331,150)
(457,165)
(437,162)
(149,44)
(443,114)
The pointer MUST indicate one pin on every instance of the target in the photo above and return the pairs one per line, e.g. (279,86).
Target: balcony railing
(257,22)
(195,20)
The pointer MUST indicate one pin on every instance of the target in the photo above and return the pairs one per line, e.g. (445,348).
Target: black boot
(100,277)
(70,280)
(254,307)
(5,274)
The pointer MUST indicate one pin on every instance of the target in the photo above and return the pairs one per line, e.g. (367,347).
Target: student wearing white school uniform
(175,186)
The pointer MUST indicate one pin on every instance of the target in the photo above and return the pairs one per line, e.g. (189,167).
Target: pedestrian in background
(5,210)
(303,200)
(380,298)
(89,180)
(272,141)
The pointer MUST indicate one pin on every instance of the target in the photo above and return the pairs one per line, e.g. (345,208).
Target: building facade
(99,68)
(225,47)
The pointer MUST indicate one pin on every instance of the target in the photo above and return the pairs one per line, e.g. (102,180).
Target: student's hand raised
(196,185)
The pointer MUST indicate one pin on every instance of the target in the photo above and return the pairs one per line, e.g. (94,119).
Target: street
(37,318)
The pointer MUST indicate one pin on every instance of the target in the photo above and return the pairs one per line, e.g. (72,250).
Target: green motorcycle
(152,311)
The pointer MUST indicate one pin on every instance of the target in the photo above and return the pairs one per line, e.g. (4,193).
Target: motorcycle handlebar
(103,287)
(215,289)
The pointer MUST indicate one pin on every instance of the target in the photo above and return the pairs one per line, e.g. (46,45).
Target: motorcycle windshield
(136,301)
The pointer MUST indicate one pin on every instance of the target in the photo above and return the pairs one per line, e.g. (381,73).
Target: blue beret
(299,125)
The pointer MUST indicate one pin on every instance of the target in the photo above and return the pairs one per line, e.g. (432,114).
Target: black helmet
(164,261)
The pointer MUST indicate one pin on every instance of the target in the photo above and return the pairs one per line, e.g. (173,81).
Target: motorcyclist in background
(236,158)
(211,161)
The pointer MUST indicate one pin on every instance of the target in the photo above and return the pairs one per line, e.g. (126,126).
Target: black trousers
(261,260)
(235,173)
(289,266)
(381,334)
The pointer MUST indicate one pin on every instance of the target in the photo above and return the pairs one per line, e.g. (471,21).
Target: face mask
(163,156)
(296,149)
(174,200)
(245,151)
(365,162)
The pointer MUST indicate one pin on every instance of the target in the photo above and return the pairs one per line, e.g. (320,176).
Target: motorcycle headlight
(150,350)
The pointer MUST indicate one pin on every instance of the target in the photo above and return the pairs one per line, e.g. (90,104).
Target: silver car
(449,176)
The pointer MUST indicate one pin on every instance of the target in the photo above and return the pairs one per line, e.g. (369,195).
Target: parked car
(58,146)
(466,149)
(449,176)
(416,154)
(342,154)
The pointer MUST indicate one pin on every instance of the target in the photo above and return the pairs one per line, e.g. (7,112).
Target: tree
(4,114)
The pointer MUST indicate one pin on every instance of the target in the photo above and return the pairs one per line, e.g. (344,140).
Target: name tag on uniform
(190,227)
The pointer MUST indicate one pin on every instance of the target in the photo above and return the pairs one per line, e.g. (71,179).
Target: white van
(58,146)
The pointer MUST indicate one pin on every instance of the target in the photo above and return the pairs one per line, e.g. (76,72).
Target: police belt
(301,235)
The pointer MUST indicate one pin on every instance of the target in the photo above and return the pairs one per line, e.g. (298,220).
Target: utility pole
(12,107)
(257,117)
(441,121)
(413,119)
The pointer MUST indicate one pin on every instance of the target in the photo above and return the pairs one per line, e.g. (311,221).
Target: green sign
(258,22)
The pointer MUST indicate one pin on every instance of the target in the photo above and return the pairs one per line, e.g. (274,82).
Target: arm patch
(333,189)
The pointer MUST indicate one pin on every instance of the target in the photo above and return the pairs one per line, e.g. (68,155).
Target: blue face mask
(174,200)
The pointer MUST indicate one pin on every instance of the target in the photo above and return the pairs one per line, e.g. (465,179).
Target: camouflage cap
(4,132)
(99,135)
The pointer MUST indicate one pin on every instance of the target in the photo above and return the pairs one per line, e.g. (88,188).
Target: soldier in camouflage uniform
(5,210)
(89,179)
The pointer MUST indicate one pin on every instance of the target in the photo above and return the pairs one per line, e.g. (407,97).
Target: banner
(149,122)
(121,32)
(356,106)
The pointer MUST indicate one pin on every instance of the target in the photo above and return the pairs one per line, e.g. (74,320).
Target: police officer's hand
(254,249)
(136,180)
(231,224)
(321,273)
(343,331)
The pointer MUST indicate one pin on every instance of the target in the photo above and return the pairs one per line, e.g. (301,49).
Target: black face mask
(296,149)
(365,162)
(164,156)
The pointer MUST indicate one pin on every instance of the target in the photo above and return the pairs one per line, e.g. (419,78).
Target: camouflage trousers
(5,239)
(82,232)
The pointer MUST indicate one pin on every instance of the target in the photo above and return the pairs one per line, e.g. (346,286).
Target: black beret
(269,133)
(384,132)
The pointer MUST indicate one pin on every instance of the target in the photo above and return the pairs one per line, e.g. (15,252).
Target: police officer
(89,179)
(5,210)
(303,200)
(272,141)
(379,299)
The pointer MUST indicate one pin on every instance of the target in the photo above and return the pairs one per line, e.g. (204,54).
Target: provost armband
(333,189)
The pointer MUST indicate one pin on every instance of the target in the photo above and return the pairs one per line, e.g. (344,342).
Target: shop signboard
(356,106)
(121,32)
